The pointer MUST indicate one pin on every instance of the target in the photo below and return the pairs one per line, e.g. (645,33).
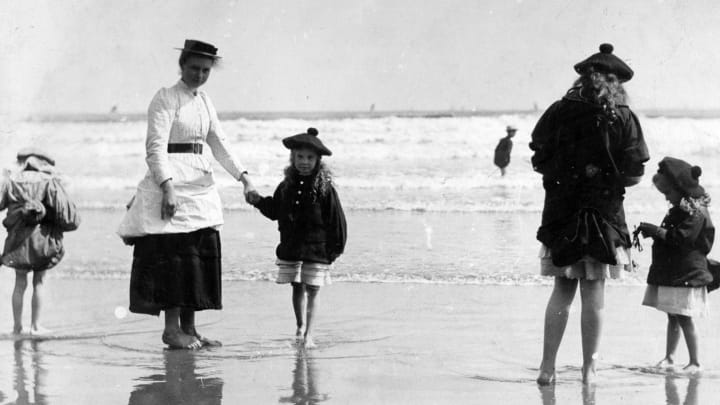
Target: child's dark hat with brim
(307,139)
(24,153)
(200,48)
(605,61)
(682,176)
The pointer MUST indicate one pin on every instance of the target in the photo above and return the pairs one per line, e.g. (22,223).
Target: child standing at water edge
(311,224)
(679,273)
(38,212)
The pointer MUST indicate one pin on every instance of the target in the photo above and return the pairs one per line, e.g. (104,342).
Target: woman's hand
(169,201)
(251,195)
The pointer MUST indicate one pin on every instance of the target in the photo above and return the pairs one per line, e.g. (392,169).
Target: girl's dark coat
(312,224)
(583,213)
(681,259)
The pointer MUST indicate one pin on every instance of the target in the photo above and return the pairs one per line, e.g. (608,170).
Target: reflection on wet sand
(179,384)
(671,391)
(305,384)
(30,373)
(547,394)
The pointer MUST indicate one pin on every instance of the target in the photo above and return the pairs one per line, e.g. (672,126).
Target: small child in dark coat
(679,273)
(39,211)
(312,226)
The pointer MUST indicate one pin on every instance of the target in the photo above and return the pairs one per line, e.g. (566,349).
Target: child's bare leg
(592,293)
(298,300)
(691,338)
(187,324)
(17,299)
(38,297)
(673,338)
(173,336)
(556,317)
(312,292)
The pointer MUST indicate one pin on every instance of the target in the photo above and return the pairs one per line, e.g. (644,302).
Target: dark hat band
(199,48)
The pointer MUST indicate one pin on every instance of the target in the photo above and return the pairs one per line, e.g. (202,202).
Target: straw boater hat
(682,176)
(510,128)
(308,139)
(605,61)
(25,153)
(200,48)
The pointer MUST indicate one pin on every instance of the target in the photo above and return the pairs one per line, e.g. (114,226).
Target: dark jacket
(502,152)
(38,212)
(586,153)
(681,259)
(312,224)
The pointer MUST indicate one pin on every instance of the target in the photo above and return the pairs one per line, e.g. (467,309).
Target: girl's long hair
(600,88)
(323,176)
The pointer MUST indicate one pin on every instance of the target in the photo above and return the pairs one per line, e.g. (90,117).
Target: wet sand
(377,343)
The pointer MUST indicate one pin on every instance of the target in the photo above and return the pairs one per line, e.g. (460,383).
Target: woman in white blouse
(174,218)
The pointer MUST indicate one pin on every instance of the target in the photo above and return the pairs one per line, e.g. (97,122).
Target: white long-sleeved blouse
(179,114)
(182,115)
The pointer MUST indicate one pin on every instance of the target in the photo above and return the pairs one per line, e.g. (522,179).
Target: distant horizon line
(340,114)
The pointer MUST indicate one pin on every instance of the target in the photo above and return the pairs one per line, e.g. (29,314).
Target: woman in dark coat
(588,146)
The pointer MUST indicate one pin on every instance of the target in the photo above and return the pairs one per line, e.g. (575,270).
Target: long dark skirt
(176,270)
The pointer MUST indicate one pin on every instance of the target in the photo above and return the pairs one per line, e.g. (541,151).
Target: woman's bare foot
(204,341)
(17,330)
(179,340)
(299,335)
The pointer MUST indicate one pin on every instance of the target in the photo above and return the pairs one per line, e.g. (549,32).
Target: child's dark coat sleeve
(336,226)
(689,233)
(270,206)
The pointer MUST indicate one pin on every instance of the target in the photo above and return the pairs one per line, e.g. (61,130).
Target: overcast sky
(64,56)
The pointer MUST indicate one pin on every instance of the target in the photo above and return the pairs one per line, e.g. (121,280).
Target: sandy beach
(380,343)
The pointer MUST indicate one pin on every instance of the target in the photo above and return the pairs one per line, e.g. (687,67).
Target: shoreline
(377,343)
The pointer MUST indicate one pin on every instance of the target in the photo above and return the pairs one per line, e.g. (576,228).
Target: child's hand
(648,230)
(252,197)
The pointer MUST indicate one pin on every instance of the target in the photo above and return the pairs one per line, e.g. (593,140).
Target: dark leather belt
(185,148)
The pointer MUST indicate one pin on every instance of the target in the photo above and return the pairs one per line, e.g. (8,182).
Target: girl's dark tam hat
(682,176)
(307,139)
(24,153)
(605,61)
(200,48)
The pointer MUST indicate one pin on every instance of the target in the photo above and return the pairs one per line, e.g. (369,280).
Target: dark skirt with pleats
(176,270)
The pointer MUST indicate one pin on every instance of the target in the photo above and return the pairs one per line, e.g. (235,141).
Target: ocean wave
(499,279)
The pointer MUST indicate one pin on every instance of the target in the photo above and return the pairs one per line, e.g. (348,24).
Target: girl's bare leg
(298,300)
(671,342)
(312,292)
(691,338)
(592,293)
(17,299)
(38,297)
(556,317)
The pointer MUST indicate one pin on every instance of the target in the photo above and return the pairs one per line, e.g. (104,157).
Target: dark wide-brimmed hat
(24,153)
(682,176)
(605,61)
(510,128)
(307,139)
(200,48)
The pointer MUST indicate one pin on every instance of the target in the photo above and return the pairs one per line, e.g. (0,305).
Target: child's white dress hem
(688,301)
